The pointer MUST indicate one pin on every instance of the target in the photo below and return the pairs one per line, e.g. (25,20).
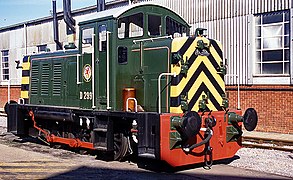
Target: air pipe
(100,5)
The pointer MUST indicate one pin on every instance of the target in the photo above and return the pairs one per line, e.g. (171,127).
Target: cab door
(102,66)
(86,75)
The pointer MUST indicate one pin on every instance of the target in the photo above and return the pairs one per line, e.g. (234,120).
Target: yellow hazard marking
(35,164)
(176,109)
(177,43)
(25,80)
(176,91)
(210,105)
(24,94)
(203,78)
(26,66)
(215,55)
(31,169)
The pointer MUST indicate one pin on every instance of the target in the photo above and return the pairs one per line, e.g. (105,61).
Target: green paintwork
(175,137)
(234,118)
(155,56)
(49,84)
(232,134)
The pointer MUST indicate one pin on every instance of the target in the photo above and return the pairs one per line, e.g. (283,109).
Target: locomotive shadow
(29,139)
(85,172)
(162,166)
(143,163)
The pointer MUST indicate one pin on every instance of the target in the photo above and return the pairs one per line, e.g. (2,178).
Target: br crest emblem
(87,72)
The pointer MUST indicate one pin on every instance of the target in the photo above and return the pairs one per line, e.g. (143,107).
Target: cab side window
(102,38)
(122,55)
(154,25)
(174,28)
(130,26)
(87,36)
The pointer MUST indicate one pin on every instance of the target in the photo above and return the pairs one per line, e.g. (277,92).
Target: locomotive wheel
(250,119)
(120,146)
(191,124)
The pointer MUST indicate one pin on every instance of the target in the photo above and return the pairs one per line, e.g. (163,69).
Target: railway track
(267,143)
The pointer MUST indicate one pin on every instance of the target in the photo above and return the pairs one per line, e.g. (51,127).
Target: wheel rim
(120,146)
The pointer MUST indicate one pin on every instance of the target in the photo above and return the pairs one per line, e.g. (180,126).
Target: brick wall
(14,94)
(274,105)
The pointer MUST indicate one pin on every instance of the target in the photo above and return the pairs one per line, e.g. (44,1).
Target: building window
(272,43)
(42,48)
(5,64)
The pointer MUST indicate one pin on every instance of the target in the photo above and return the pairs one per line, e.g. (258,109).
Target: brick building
(257,42)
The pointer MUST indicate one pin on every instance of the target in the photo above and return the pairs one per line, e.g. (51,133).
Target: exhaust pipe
(100,5)
(55,27)
(70,22)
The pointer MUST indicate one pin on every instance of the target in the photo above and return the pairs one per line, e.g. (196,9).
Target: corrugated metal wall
(229,21)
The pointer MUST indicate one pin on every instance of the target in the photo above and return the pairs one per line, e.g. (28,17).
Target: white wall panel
(228,22)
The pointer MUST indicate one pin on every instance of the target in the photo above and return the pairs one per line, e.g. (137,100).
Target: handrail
(151,39)
(77,69)
(93,71)
(135,103)
(20,101)
(159,88)
(108,71)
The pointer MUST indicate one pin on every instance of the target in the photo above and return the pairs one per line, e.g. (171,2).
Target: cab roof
(120,11)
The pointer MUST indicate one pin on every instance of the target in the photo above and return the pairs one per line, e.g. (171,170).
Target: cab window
(154,25)
(130,26)
(102,38)
(174,28)
(87,35)
(122,55)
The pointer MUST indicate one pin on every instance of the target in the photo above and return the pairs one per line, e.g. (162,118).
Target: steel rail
(268,143)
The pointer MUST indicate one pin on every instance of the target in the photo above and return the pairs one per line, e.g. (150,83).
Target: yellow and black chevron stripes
(202,77)
(25,80)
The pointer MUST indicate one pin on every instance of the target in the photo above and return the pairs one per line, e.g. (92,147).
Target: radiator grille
(57,79)
(35,80)
(45,79)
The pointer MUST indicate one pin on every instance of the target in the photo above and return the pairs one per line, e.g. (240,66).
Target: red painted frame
(221,149)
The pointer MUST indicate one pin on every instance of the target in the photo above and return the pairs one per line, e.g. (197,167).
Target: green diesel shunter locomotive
(137,83)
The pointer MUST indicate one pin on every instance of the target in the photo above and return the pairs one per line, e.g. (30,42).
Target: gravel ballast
(264,160)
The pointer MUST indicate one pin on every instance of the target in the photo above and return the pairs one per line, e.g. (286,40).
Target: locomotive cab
(130,50)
